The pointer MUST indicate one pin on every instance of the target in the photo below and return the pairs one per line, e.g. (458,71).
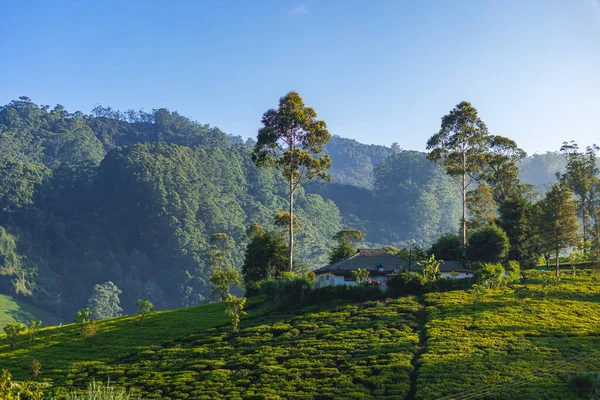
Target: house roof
(379,262)
(373,260)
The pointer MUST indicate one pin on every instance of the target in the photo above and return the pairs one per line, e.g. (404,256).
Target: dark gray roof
(371,259)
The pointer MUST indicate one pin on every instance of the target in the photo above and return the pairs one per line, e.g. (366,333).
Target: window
(327,277)
(348,279)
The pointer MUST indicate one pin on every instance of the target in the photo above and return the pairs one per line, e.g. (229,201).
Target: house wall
(330,279)
(459,276)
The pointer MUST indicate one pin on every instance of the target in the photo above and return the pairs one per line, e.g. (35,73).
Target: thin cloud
(299,10)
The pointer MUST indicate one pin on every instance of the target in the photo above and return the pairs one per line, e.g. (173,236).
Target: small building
(454,269)
(380,265)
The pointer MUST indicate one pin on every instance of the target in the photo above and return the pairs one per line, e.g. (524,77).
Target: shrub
(360,275)
(431,269)
(449,284)
(447,247)
(13,330)
(89,331)
(288,290)
(488,244)
(144,307)
(82,316)
(36,368)
(11,390)
(513,272)
(235,309)
(490,275)
(405,283)
(33,328)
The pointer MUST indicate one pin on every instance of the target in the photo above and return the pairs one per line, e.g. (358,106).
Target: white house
(380,265)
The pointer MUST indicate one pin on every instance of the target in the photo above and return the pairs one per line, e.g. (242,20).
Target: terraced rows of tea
(349,351)
(521,342)
(518,343)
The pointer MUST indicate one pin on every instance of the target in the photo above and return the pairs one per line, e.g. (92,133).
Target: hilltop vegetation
(134,197)
(13,310)
(526,341)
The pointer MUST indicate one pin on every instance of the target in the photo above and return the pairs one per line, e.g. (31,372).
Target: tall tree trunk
(557,264)
(464,201)
(584,223)
(291,227)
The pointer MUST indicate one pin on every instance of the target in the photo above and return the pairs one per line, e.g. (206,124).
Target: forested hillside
(134,197)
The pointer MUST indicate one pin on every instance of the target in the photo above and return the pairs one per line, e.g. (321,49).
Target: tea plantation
(523,342)
(518,343)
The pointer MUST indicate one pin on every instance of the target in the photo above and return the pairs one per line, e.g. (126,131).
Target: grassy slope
(509,345)
(346,351)
(13,310)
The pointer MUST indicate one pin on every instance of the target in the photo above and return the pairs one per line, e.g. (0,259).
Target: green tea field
(511,343)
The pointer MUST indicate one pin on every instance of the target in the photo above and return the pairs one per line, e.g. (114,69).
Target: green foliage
(405,283)
(499,168)
(11,390)
(105,303)
(347,240)
(82,316)
(517,217)
(36,368)
(32,328)
(416,201)
(342,250)
(222,279)
(12,330)
(430,268)
(353,163)
(459,146)
(488,244)
(513,272)
(266,255)
(292,141)
(360,275)
(287,290)
(481,206)
(89,331)
(581,176)
(18,183)
(557,222)
(235,309)
(447,247)
(490,275)
(144,307)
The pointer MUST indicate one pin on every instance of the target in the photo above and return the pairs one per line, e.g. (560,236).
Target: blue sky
(376,71)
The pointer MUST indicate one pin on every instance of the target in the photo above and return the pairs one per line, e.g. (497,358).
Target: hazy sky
(376,71)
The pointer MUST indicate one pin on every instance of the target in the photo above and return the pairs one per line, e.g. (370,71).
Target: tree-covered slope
(12,310)
(131,199)
(134,197)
